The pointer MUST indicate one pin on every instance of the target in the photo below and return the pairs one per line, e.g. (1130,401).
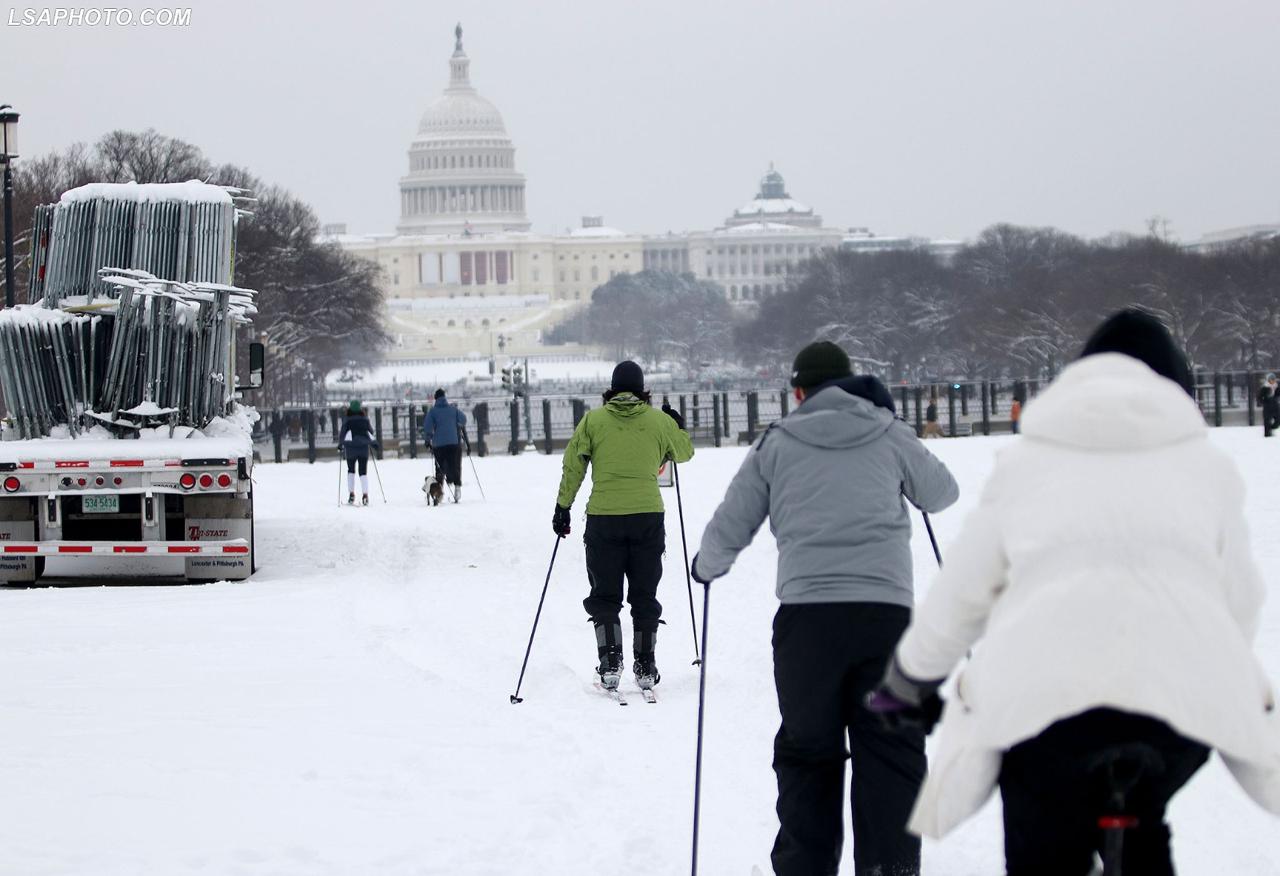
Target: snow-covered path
(346,711)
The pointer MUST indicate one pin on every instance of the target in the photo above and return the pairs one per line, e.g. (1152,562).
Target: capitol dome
(462,177)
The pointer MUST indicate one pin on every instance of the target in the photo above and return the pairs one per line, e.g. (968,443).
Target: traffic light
(518,377)
(507,383)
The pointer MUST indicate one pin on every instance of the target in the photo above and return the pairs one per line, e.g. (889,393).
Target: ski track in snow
(346,711)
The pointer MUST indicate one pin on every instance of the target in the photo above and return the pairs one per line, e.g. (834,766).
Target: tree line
(315,301)
(1019,302)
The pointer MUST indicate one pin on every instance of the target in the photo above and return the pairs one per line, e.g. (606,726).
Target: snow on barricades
(158,352)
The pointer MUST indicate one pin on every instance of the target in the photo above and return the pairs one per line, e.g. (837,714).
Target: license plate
(100,504)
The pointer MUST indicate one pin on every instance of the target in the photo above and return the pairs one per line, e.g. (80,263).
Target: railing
(496,424)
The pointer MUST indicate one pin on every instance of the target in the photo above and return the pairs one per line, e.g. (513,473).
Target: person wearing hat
(625,442)
(442,430)
(356,437)
(1269,400)
(834,479)
(1106,594)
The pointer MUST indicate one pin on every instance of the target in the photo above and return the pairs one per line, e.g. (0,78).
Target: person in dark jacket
(443,429)
(931,427)
(355,439)
(834,478)
(1269,399)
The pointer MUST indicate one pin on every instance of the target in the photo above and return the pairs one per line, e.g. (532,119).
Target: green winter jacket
(626,442)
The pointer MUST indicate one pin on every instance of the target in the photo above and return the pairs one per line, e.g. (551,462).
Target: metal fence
(499,424)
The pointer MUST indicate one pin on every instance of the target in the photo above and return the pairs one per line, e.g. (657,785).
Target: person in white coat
(1106,588)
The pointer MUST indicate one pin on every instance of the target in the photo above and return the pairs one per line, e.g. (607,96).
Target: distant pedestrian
(1269,399)
(1015,414)
(834,479)
(625,442)
(442,429)
(931,427)
(355,439)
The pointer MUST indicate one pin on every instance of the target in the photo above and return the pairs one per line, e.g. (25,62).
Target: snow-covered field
(346,710)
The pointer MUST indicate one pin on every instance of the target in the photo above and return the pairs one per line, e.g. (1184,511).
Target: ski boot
(609,648)
(365,500)
(351,498)
(644,666)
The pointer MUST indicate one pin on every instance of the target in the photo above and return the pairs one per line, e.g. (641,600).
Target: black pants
(363,462)
(1052,799)
(630,546)
(448,463)
(826,657)
(1270,419)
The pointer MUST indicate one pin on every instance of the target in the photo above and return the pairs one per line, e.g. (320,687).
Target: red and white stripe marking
(63,464)
(105,548)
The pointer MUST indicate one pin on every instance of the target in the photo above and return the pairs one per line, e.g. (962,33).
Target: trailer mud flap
(16,568)
(231,567)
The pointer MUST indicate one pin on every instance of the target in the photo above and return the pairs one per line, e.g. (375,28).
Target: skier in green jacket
(626,442)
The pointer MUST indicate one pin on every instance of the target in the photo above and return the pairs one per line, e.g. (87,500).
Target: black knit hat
(819,362)
(1137,333)
(439,393)
(627,377)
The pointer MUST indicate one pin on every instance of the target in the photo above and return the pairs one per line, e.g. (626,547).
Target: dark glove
(560,522)
(693,571)
(673,414)
(902,702)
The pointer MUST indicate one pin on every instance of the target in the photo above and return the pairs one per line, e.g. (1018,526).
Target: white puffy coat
(1107,564)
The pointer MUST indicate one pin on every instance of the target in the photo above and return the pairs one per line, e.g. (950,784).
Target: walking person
(831,478)
(1107,576)
(356,437)
(1269,400)
(625,442)
(442,429)
(931,427)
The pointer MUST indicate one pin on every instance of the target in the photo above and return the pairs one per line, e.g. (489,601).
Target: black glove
(693,572)
(902,702)
(673,414)
(560,522)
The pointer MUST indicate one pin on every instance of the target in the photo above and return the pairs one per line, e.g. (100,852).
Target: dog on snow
(435,492)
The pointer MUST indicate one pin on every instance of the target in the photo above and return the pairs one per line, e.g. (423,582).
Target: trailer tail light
(187,481)
(82,482)
(117,480)
(100,481)
(12,485)
(206,481)
(224,480)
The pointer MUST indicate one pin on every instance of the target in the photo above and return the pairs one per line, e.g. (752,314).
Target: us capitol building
(463,272)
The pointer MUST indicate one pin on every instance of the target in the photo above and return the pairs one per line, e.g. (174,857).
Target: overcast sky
(906,116)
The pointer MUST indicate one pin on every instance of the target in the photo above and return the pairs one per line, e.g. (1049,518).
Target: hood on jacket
(625,404)
(1111,401)
(866,386)
(441,402)
(834,418)
(1139,334)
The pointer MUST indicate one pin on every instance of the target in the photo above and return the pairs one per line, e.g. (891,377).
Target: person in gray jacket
(834,478)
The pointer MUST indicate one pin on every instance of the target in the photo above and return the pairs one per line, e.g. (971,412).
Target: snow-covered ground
(346,710)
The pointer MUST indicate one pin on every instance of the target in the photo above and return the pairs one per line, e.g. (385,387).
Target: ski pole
(702,699)
(340,461)
(515,697)
(473,468)
(376,474)
(693,621)
(932,539)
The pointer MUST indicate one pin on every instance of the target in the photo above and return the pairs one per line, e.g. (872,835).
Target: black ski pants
(448,463)
(1053,795)
(625,546)
(361,460)
(826,658)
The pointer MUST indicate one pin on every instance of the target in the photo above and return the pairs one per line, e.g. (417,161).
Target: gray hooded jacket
(834,478)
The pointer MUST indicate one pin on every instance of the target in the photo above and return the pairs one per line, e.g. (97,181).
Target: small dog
(435,492)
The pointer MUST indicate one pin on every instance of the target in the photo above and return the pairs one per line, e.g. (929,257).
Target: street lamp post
(8,152)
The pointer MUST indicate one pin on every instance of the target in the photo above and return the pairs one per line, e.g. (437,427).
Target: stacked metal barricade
(112,342)
(180,231)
